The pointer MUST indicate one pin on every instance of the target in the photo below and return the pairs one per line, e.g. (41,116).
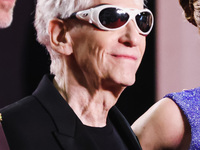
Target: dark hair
(188,8)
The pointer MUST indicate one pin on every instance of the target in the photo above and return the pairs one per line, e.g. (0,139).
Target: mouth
(129,57)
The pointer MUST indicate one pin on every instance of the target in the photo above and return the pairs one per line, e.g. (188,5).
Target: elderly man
(6,12)
(96,47)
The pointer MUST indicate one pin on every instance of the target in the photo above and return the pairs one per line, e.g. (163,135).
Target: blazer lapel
(70,133)
(66,142)
(124,129)
(79,142)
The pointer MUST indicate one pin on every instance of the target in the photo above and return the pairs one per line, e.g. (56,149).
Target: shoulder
(25,117)
(187,100)
(23,112)
(19,106)
(162,126)
(185,96)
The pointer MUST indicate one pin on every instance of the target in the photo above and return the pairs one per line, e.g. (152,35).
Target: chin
(128,82)
(6,20)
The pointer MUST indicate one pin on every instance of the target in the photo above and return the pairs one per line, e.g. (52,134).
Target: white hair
(46,10)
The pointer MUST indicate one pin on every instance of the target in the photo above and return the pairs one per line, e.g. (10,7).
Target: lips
(131,57)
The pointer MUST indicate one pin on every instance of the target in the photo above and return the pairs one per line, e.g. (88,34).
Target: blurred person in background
(174,121)
(6,17)
(96,47)
(6,12)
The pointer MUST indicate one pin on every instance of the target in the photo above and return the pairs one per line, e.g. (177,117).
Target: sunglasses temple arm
(82,15)
(73,16)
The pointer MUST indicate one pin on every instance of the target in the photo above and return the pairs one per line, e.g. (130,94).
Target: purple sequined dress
(189,102)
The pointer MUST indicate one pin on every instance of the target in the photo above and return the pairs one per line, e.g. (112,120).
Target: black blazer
(44,121)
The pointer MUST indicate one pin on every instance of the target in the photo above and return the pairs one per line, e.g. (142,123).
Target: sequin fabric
(189,102)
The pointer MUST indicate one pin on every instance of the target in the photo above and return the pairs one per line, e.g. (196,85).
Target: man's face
(109,57)
(6,12)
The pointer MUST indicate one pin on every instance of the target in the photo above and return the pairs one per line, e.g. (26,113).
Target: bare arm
(163,126)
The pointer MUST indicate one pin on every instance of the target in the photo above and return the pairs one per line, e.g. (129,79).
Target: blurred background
(170,62)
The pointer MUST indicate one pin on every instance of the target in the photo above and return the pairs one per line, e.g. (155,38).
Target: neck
(91,107)
(92,110)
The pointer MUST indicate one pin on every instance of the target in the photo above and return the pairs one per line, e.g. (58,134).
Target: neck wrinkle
(91,110)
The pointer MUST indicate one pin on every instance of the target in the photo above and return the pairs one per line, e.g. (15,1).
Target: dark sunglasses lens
(113,17)
(144,21)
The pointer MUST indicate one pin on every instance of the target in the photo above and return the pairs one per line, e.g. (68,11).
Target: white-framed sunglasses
(110,17)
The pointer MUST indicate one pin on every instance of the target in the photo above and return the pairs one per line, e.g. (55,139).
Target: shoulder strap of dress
(3,140)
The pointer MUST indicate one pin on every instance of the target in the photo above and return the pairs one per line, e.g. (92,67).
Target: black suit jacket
(44,121)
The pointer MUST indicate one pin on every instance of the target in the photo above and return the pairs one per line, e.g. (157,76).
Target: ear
(59,37)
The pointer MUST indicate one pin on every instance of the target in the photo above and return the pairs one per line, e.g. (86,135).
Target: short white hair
(46,10)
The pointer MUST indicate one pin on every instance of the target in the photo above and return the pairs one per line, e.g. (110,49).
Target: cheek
(143,46)
(91,45)
(90,50)
(87,55)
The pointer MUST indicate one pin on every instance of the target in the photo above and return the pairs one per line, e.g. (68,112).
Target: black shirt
(107,138)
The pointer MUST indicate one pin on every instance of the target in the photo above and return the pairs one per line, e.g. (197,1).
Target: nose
(131,36)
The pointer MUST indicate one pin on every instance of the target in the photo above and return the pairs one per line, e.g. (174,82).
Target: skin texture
(100,64)
(6,12)
(167,126)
